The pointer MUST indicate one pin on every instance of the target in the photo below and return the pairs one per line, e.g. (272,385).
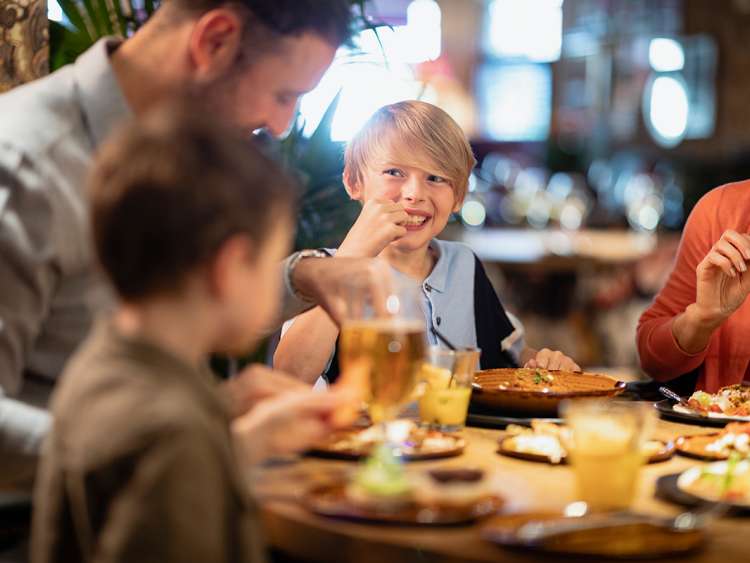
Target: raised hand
(288,423)
(256,383)
(379,223)
(722,280)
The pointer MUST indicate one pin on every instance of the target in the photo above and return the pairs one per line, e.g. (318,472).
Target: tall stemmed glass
(383,346)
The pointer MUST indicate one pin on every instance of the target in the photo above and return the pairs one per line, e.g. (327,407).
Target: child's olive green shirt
(139,464)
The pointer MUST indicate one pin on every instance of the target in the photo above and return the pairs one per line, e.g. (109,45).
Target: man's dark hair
(331,19)
(167,191)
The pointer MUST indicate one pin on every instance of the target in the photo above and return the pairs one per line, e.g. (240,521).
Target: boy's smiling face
(427,197)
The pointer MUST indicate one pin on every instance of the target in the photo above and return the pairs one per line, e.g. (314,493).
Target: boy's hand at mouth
(378,225)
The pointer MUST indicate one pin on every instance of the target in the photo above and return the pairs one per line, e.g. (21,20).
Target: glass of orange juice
(445,381)
(605,445)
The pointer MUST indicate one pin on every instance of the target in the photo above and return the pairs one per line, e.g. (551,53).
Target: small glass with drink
(446,379)
(605,446)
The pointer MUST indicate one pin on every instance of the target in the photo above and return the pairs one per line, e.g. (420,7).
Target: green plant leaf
(105,17)
(73,14)
(122,23)
(65,44)
(98,30)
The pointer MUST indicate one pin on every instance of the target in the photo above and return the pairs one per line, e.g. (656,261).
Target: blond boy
(409,166)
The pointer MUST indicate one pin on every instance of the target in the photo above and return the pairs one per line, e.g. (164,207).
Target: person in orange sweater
(699,323)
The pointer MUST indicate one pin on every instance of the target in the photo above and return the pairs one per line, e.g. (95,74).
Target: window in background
(525,29)
(516,101)
(679,100)
(376,71)
(514,79)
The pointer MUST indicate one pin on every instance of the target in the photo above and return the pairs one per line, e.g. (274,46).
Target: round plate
(695,447)
(332,501)
(567,385)
(626,541)
(506,448)
(330,451)
(667,488)
(666,411)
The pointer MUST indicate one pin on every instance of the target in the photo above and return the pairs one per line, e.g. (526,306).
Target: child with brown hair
(143,462)
(410,166)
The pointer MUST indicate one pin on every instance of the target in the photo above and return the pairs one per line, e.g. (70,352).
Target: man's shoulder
(40,113)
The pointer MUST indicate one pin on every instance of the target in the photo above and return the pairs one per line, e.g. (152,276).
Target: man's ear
(352,184)
(235,254)
(215,43)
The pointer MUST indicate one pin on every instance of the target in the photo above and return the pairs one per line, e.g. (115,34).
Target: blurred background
(597,124)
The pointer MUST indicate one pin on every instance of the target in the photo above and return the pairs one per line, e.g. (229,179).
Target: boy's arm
(306,347)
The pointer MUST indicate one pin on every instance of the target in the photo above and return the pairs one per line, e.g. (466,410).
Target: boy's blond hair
(423,135)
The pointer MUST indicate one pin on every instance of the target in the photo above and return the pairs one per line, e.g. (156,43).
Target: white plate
(690,476)
(714,415)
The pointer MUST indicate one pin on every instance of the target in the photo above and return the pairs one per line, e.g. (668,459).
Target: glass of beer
(606,449)
(382,347)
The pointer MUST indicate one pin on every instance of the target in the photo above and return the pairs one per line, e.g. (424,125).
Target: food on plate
(543,438)
(381,482)
(452,487)
(727,481)
(413,440)
(734,439)
(547,440)
(544,381)
(733,400)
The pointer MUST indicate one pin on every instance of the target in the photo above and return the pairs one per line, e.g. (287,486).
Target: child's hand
(287,423)
(552,359)
(256,383)
(378,225)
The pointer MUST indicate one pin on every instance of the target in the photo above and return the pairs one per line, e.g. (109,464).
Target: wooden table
(526,485)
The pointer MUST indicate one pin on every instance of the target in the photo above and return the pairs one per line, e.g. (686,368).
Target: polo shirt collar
(102,102)
(438,278)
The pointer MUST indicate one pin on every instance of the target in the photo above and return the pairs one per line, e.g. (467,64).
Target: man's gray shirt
(49,288)
(49,130)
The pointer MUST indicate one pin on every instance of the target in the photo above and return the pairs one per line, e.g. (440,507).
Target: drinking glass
(446,379)
(605,446)
(382,346)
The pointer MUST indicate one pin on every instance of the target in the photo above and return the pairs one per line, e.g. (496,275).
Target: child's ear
(352,185)
(457,206)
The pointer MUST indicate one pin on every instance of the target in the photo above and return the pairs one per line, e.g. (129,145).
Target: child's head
(412,153)
(183,209)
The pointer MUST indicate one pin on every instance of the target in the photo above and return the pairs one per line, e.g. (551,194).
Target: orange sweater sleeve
(660,355)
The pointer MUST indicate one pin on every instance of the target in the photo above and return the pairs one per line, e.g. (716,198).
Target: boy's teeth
(415,220)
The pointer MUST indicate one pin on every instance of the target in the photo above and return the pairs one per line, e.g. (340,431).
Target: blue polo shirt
(448,299)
